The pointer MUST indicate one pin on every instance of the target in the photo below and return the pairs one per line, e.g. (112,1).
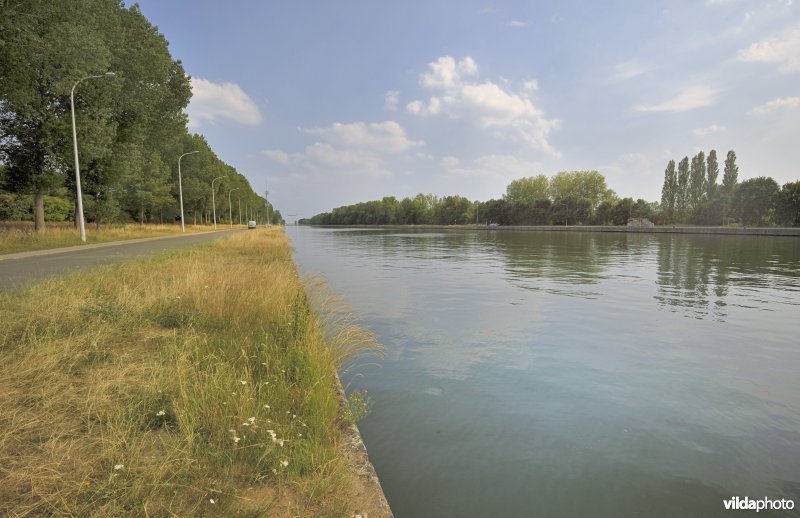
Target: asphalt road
(17,270)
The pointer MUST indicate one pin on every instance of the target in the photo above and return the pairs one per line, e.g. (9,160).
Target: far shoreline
(662,229)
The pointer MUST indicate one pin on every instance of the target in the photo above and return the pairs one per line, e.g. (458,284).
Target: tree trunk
(39,211)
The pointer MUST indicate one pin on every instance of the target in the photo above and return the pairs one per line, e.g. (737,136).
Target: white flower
(236,439)
(252,419)
(245,424)
(118,467)
(243,382)
(232,430)
(266,406)
(211,499)
(160,412)
(293,416)
(284,463)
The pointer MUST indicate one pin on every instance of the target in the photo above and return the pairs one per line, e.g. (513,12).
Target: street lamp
(180,185)
(75,147)
(213,201)
(230,210)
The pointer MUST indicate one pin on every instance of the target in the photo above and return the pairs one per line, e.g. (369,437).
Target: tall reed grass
(197,382)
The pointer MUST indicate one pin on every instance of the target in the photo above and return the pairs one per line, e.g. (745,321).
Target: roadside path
(19,269)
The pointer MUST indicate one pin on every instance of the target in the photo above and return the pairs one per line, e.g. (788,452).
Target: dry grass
(19,236)
(153,387)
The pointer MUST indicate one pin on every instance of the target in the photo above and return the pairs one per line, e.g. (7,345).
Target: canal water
(573,374)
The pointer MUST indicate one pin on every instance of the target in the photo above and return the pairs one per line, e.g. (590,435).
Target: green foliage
(131,127)
(697,181)
(731,174)
(359,405)
(57,209)
(682,196)
(527,190)
(580,185)
(19,207)
(712,172)
(755,199)
(669,191)
(788,205)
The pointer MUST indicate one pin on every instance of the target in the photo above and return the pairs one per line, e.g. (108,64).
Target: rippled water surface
(573,374)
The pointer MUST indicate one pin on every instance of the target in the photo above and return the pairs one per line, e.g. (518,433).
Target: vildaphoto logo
(763,504)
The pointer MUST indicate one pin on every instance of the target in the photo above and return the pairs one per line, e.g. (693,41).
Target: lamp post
(75,148)
(230,209)
(213,200)
(180,185)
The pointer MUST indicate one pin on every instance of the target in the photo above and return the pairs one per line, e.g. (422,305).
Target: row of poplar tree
(688,188)
(131,127)
(691,194)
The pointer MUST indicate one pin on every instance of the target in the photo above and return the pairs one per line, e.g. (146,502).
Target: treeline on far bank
(131,126)
(690,195)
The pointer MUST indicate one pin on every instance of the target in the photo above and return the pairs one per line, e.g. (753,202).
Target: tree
(128,126)
(697,181)
(731,174)
(682,196)
(712,172)
(586,185)
(754,200)
(669,191)
(788,205)
(527,190)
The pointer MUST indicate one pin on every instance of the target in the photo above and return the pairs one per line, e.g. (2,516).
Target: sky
(329,103)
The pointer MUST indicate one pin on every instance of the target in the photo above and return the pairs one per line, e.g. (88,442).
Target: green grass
(20,236)
(154,387)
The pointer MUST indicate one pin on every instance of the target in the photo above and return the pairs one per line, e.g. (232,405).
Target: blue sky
(333,103)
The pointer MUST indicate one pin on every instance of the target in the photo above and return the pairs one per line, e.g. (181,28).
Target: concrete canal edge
(728,231)
(369,496)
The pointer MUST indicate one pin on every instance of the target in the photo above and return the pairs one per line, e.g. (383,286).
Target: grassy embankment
(196,382)
(19,236)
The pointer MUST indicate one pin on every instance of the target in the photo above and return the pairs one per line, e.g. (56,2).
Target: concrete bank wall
(733,231)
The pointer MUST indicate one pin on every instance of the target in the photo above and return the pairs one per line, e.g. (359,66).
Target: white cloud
(446,73)
(531,85)
(783,49)
(507,114)
(328,156)
(628,70)
(518,24)
(501,169)
(391,100)
(708,130)
(775,104)
(212,102)
(357,149)
(691,98)
(418,107)
(277,155)
(377,137)
(450,162)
